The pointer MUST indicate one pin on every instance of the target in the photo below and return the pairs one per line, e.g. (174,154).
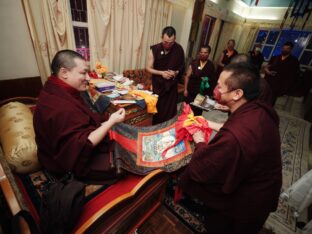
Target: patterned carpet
(294,133)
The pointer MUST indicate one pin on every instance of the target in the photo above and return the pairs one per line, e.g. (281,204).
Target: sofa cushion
(17,137)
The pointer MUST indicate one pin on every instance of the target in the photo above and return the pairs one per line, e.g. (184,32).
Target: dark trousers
(216,223)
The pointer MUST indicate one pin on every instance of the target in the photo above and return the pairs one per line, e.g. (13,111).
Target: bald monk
(166,64)
(238,173)
(70,137)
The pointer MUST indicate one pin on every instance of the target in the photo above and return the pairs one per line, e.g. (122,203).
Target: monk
(198,69)
(70,137)
(265,92)
(282,72)
(238,173)
(166,64)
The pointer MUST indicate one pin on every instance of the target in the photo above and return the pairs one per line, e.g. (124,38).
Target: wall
(181,20)
(18,58)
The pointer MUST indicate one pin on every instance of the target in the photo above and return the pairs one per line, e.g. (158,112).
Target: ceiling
(267,3)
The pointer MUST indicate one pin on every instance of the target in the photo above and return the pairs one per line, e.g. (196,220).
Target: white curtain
(50,29)
(121,31)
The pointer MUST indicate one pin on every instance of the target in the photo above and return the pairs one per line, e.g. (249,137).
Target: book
(203,102)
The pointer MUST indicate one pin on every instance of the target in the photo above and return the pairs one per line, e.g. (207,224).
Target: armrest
(8,192)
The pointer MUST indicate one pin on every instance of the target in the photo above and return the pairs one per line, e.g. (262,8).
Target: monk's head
(240,58)
(238,83)
(168,37)
(71,67)
(287,48)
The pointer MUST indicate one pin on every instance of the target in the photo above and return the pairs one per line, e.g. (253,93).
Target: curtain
(121,31)
(246,39)
(50,29)
(214,38)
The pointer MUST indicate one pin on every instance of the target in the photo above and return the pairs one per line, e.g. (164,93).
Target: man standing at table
(238,174)
(166,63)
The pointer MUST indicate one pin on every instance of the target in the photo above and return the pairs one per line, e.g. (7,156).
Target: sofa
(119,208)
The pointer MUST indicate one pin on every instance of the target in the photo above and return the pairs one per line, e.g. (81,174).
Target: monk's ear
(63,73)
(238,94)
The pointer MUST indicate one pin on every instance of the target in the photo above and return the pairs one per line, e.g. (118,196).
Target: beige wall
(181,20)
(16,50)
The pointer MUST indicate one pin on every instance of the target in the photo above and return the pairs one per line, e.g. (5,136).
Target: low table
(135,114)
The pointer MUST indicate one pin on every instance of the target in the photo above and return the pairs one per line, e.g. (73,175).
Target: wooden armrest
(8,192)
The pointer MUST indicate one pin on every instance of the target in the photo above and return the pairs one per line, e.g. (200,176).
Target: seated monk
(238,174)
(70,137)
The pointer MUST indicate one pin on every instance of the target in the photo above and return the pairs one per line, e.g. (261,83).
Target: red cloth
(62,123)
(238,173)
(188,124)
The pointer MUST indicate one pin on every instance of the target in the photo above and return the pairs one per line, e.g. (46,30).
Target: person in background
(166,64)
(282,72)
(70,137)
(197,70)
(238,174)
(226,56)
(256,57)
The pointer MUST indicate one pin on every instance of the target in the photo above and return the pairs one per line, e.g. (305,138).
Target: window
(80,25)
(273,40)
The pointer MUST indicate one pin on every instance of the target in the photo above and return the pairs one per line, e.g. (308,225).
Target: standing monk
(198,69)
(238,174)
(282,71)
(166,63)
(70,137)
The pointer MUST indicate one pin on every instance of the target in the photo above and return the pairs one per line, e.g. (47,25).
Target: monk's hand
(118,116)
(166,75)
(198,136)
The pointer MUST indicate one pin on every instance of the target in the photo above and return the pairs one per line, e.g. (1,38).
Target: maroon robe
(167,90)
(62,123)
(265,94)
(287,72)
(226,60)
(238,174)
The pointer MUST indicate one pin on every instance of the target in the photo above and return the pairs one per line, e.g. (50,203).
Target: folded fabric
(188,124)
(151,100)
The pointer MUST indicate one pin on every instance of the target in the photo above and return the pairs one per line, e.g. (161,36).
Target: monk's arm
(186,80)
(150,67)
(96,136)
(214,125)
(210,161)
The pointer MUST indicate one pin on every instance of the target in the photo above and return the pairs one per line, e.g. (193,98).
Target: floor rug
(295,151)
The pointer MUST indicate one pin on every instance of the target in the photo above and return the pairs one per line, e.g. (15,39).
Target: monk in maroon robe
(70,137)
(282,72)
(238,173)
(166,64)
(198,69)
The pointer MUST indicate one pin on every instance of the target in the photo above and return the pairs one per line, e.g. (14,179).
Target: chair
(119,208)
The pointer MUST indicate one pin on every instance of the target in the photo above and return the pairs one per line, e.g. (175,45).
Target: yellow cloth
(150,100)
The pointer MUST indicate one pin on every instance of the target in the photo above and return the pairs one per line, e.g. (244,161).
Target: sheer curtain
(246,38)
(121,31)
(50,29)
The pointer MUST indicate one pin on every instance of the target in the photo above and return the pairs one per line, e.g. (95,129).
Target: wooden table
(135,115)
